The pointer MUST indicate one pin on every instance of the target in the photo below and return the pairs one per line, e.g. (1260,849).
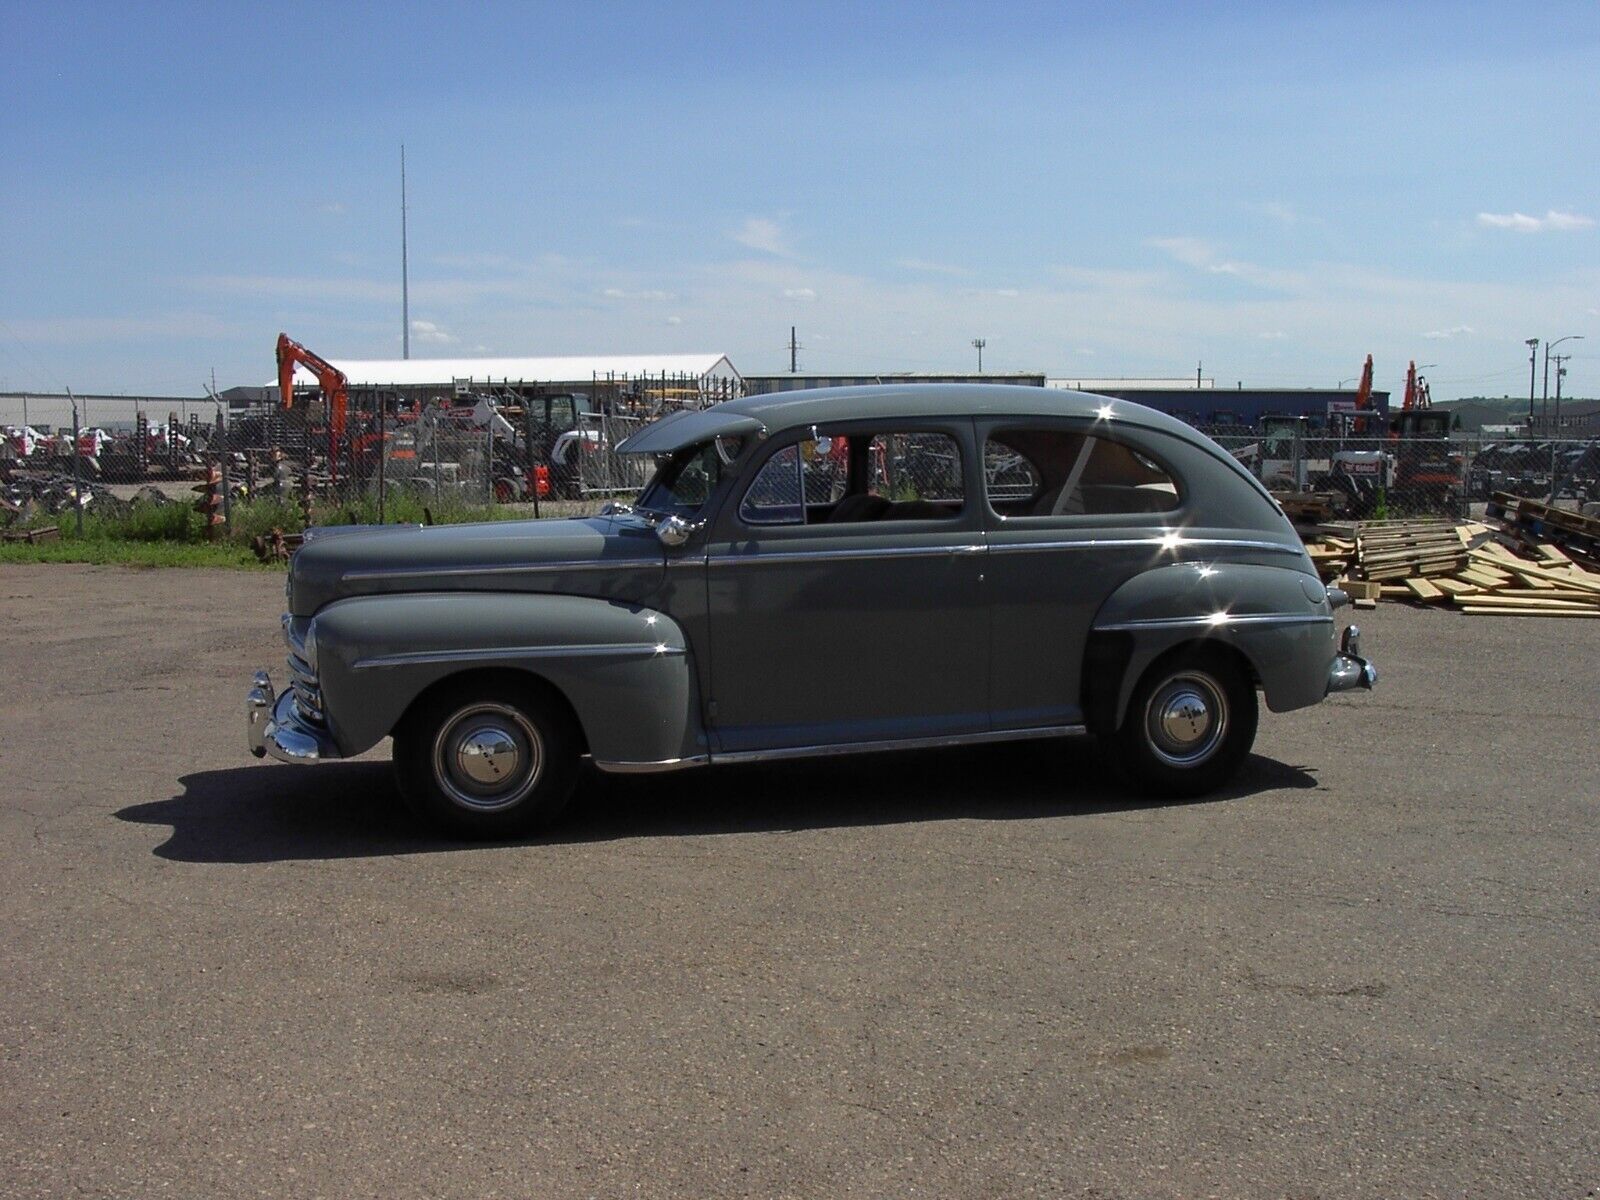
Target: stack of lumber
(1455,565)
(1500,582)
(45,533)
(1391,550)
(1305,507)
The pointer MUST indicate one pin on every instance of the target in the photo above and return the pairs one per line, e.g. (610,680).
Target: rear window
(1057,472)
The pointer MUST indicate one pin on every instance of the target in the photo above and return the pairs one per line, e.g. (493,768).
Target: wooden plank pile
(1455,565)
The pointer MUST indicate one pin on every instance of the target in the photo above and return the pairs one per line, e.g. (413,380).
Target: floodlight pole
(980,343)
(405,275)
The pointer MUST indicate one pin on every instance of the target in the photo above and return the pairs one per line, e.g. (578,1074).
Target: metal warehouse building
(685,378)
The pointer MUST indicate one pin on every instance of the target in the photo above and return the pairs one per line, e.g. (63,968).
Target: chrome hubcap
(488,757)
(1186,719)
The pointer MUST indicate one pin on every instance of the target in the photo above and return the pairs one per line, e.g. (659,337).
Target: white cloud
(764,234)
(1272,336)
(933,268)
(1552,221)
(674,320)
(1276,210)
(333,208)
(430,334)
(800,293)
(1191,252)
(645,294)
(1203,256)
(1446,334)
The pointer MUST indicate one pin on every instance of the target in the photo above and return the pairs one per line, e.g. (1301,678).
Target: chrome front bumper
(273,726)
(1349,669)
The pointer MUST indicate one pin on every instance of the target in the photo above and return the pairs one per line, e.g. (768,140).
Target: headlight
(309,646)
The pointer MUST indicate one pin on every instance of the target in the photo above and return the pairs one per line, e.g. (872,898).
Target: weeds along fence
(483,450)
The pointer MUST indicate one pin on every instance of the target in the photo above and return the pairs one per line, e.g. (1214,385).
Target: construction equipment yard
(1366,970)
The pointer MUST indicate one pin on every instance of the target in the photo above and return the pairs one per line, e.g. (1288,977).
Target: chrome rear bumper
(274,726)
(1349,669)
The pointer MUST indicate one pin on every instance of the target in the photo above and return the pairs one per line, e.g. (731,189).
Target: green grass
(173,535)
(122,552)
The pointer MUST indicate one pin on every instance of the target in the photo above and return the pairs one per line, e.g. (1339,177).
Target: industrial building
(684,378)
(51,412)
(1197,401)
(1201,402)
(761,385)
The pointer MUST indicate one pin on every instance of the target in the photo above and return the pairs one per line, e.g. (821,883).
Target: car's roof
(816,406)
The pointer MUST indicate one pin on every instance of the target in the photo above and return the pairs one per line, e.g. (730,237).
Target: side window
(915,468)
(1054,472)
(836,480)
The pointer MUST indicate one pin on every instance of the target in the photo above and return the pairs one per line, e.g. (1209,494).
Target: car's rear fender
(624,669)
(1276,618)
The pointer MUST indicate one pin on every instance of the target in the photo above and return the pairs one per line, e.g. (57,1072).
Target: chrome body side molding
(785,752)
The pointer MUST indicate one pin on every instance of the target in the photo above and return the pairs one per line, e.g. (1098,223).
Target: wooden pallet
(1535,523)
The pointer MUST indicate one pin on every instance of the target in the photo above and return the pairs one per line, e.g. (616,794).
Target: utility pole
(794,350)
(1198,368)
(1533,368)
(405,274)
(980,343)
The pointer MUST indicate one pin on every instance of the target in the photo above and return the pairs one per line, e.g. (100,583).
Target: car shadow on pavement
(275,813)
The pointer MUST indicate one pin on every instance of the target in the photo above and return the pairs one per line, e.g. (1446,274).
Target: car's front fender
(1278,618)
(624,669)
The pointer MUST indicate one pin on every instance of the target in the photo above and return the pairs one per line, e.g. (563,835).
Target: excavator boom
(335,388)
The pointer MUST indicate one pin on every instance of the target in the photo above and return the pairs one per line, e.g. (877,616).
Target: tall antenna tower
(405,274)
(978,344)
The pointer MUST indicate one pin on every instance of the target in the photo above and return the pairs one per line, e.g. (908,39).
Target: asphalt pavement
(1368,970)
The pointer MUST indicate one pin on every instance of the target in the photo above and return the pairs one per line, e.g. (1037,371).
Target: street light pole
(1533,368)
(1549,346)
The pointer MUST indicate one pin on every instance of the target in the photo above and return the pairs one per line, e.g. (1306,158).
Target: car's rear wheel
(487,759)
(1190,724)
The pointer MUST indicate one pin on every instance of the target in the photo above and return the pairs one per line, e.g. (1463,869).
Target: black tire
(1190,724)
(447,747)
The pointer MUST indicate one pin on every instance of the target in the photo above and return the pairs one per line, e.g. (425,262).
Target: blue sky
(1098,190)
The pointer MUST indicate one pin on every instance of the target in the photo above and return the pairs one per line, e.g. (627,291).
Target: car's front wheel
(1190,723)
(487,759)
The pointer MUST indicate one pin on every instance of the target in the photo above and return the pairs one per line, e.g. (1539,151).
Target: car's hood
(612,556)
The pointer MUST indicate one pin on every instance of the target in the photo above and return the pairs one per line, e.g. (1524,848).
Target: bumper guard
(272,726)
(1348,669)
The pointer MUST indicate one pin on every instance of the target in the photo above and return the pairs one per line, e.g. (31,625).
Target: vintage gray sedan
(814,573)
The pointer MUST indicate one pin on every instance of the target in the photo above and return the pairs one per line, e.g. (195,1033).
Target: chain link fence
(517,452)
(1415,476)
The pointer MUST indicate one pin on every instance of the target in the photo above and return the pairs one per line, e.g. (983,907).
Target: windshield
(684,480)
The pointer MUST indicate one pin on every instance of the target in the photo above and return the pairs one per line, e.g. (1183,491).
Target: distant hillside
(1474,412)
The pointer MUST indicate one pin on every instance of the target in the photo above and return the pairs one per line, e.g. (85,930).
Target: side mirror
(674,531)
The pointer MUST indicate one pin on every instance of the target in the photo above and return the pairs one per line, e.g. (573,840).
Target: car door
(1073,510)
(844,618)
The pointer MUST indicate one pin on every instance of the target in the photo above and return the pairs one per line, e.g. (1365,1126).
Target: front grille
(302,679)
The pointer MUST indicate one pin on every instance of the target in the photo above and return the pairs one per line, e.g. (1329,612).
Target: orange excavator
(1363,398)
(335,389)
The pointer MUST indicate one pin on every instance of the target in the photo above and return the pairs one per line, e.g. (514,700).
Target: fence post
(227,472)
(488,461)
(383,451)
